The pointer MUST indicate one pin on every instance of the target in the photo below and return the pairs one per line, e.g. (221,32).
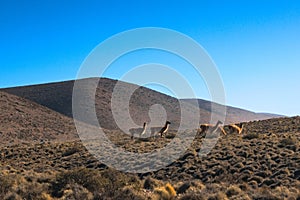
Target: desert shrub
(244,186)
(257,179)
(84,177)
(213,188)
(128,193)
(104,184)
(265,194)
(189,186)
(150,183)
(17,187)
(6,183)
(165,193)
(161,194)
(75,191)
(170,190)
(31,190)
(116,181)
(12,196)
(70,151)
(250,136)
(284,192)
(287,142)
(45,196)
(14,186)
(233,191)
(170,135)
(253,184)
(183,188)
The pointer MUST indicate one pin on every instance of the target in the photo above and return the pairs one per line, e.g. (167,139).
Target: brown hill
(58,97)
(22,120)
(233,114)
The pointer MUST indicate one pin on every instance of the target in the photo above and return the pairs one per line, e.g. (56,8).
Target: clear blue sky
(255,44)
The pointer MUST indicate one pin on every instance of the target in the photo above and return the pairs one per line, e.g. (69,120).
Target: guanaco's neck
(167,125)
(217,124)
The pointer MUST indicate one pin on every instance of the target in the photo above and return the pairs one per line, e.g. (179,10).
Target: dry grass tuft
(6,182)
(218,196)
(250,136)
(75,191)
(150,183)
(87,178)
(161,194)
(233,191)
(45,196)
(166,192)
(170,190)
(288,142)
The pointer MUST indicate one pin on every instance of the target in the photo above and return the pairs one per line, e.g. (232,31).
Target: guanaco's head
(219,122)
(242,125)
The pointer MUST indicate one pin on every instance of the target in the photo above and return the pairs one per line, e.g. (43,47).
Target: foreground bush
(108,183)
(89,184)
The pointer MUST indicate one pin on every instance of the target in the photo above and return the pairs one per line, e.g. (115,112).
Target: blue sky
(255,44)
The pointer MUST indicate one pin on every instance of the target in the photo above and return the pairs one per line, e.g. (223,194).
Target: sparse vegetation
(166,192)
(218,196)
(288,141)
(170,190)
(233,191)
(250,167)
(250,136)
(88,179)
(70,151)
(6,182)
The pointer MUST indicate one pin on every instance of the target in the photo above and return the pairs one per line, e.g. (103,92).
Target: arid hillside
(58,97)
(22,120)
(42,158)
(263,163)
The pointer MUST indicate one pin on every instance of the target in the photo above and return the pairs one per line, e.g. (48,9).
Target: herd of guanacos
(204,128)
